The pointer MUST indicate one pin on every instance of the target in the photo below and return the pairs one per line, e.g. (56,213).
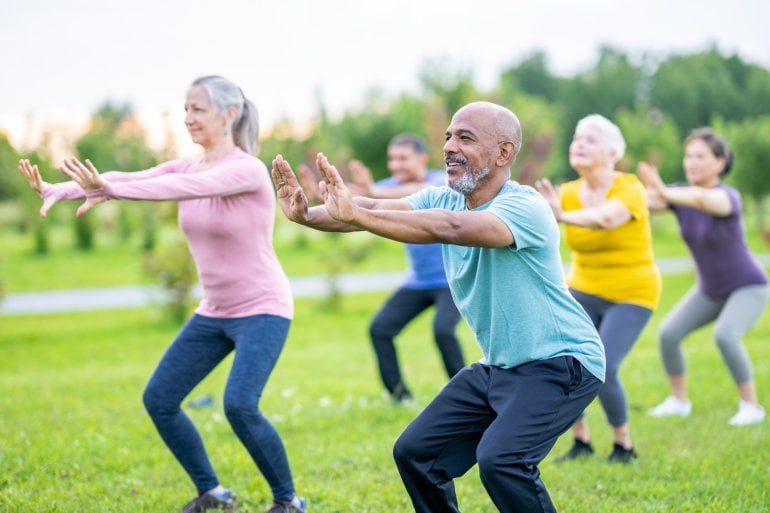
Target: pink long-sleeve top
(227,213)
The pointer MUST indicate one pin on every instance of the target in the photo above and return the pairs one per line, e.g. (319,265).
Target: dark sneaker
(287,507)
(580,449)
(207,502)
(620,454)
(401,395)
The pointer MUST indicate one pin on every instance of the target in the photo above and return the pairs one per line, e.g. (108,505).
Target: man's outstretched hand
(337,198)
(290,195)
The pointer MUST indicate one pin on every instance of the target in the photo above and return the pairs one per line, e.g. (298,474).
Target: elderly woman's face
(587,149)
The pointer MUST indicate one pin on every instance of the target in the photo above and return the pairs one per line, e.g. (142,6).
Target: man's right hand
(290,195)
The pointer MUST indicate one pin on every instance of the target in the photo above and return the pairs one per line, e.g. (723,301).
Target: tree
(653,137)
(694,88)
(748,141)
(115,141)
(530,76)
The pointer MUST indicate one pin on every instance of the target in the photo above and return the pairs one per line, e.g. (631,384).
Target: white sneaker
(671,406)
(748,413)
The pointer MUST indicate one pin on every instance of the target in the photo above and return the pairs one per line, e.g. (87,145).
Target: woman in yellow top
(613,273)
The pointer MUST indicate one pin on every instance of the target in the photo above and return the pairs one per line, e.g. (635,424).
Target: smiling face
(588,150)
(468,151)
(204,122)
(405,163)
(701,166)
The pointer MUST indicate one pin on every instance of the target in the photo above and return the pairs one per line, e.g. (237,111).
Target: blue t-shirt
(426,265)
(515,298)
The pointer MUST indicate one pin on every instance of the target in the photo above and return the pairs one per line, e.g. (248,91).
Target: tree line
(656,102)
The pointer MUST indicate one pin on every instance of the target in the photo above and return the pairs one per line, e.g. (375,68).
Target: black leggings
(403,306)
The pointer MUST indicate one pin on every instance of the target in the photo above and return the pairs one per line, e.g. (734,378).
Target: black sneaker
(401,395)
(206,502)
(287,507)
(580,449)
(620,454)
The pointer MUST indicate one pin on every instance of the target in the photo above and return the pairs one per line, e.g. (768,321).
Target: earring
(227,131)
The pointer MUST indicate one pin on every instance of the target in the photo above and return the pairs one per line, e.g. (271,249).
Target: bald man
(543,360)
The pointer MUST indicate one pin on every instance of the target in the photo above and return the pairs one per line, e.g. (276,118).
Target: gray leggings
(734,316)
(619,325)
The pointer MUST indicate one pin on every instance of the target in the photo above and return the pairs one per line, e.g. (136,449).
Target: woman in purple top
(732,287)
(226,211)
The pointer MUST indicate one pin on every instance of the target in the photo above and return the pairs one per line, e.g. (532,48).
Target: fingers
(328,172)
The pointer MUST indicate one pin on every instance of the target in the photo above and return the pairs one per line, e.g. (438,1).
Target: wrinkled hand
(337,198)
(32,174)
(309,182)
(290,195)
(362,179)
(551,195)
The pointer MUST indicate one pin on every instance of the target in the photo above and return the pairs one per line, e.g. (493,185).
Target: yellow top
(618,264)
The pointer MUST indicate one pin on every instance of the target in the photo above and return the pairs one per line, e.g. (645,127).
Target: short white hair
(612,138)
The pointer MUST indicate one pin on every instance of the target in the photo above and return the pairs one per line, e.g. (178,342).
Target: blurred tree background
(656,101)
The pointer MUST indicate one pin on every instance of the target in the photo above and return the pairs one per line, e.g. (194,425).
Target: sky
(61,59)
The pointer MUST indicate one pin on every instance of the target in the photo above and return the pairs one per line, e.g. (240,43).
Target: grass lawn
(74,435)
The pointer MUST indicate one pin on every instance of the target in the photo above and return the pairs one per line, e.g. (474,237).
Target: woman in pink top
(226,211)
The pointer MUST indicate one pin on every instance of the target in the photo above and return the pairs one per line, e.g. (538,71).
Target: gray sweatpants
(734,316)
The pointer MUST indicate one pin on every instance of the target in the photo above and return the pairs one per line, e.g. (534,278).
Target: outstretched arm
(294,203)
(481,229)
(610,214)
(365,185)
(714,201)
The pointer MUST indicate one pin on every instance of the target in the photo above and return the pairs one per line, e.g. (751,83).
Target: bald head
(496,121)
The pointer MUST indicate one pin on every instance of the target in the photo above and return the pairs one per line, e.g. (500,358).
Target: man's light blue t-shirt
(426,265)
(515,298)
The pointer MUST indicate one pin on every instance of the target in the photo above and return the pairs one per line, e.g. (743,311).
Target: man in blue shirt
(425,284)
(543,361)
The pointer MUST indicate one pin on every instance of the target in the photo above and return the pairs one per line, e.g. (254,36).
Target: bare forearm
(318,217)
(415,227)
(713,201)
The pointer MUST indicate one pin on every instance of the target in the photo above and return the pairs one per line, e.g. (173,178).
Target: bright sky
(63,58)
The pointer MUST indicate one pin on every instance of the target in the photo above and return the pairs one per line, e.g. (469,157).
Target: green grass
(74,435)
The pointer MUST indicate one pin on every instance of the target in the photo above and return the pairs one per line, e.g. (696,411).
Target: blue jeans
(506,420)
(196,351)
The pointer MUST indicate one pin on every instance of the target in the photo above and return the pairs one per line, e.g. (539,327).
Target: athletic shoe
(672,406)
(401,395)
(206,502)
(620,454)
(286,507)
(580,449)
(748,413)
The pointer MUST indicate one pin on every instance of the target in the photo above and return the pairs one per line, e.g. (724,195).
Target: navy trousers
(506,420)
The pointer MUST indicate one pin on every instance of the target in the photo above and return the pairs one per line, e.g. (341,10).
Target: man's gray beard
(469,181)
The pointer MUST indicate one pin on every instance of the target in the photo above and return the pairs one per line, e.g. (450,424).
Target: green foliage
(652,137)
(749,140)
(531,76)
(693,88)
(173,267)
(115,141)
(10,182)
